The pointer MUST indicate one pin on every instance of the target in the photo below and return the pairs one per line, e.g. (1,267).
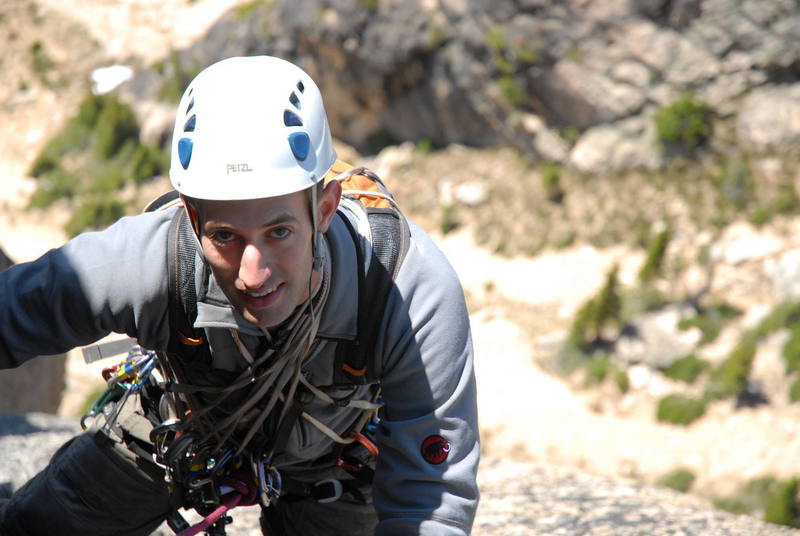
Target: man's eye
(280,232)
(222,237)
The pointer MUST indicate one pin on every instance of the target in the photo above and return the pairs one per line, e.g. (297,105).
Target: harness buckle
(337,490)
(351,464)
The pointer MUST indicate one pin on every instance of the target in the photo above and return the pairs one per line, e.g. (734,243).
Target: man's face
(260,252)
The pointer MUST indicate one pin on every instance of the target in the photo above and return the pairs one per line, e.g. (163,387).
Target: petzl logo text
(238,168)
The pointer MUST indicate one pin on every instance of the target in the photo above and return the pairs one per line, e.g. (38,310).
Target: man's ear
(192,212)
(328,203)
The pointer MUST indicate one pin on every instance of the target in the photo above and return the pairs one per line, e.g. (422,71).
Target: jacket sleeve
(425,481)
(97,283)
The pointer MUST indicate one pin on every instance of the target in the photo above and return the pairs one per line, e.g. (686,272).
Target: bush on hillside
(116,126)
(782,507)
(656,250)
(791,350)
(551,182)
(686,123)
(776,499)
(678,479)
(597,314)
(794,390)
(710,321)
(730,377)
(94,214)
(686,369)
(680,409)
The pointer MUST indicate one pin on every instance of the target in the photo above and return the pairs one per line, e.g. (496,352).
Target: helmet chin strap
(317,236)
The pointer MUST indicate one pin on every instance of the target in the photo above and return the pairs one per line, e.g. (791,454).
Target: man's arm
(426,476)
(114,280)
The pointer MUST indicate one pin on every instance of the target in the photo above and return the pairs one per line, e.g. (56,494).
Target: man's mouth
(261,293)
(265,297)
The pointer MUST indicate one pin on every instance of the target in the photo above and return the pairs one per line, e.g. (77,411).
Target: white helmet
(247,128)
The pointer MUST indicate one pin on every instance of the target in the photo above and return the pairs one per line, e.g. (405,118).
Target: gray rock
(578,95)
(420,70)
(655,340)
(769,119)
(629,144)
(517,498)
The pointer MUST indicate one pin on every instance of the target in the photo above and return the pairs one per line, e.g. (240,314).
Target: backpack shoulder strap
(358,362)
(182,295)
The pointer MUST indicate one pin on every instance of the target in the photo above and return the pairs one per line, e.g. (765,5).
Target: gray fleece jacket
(116,281)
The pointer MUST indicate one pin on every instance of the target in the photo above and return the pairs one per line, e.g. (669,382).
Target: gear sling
(187,363)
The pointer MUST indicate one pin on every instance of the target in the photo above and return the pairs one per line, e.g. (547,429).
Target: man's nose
(254,267)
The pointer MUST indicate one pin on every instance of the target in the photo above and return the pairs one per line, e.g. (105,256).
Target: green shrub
(527,55)
(564,239)
(551,182)
(761,215)
(370,5)
(177,76)
(94,213)
(449,221)
(57,184)
(786,201)
(147,162)
(791,350)
(686,123)
(512,92)
(677,479)
(597,369)
(622,381)
(496,37)
(40,61)
(654,261)
(597,314)
(680,409)
(794,391)
(783,315)
(781,507)
(710,321)
(730,377)
(115,127)
(752,496)
(686,369)
(570,134)
(434,35)
(75,136)
(641,299)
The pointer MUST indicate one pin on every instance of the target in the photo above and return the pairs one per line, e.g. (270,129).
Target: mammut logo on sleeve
(238,168)
(435,449)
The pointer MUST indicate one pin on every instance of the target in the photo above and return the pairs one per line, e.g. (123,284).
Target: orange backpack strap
(357,362)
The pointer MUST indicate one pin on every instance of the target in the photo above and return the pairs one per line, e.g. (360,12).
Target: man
(254,395)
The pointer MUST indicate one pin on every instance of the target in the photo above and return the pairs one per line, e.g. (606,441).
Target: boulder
(769,119)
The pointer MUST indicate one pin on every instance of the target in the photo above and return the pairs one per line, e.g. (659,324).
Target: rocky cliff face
(525,72)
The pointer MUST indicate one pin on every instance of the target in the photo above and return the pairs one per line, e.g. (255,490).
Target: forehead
(257,212)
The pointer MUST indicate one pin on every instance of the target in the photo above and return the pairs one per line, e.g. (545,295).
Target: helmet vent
(294,100)
(191,105)
(300,144)
(190,124)
(291,119)
(185,151)
(300,86)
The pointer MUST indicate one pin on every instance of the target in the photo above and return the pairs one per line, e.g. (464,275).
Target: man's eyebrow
(278,219)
